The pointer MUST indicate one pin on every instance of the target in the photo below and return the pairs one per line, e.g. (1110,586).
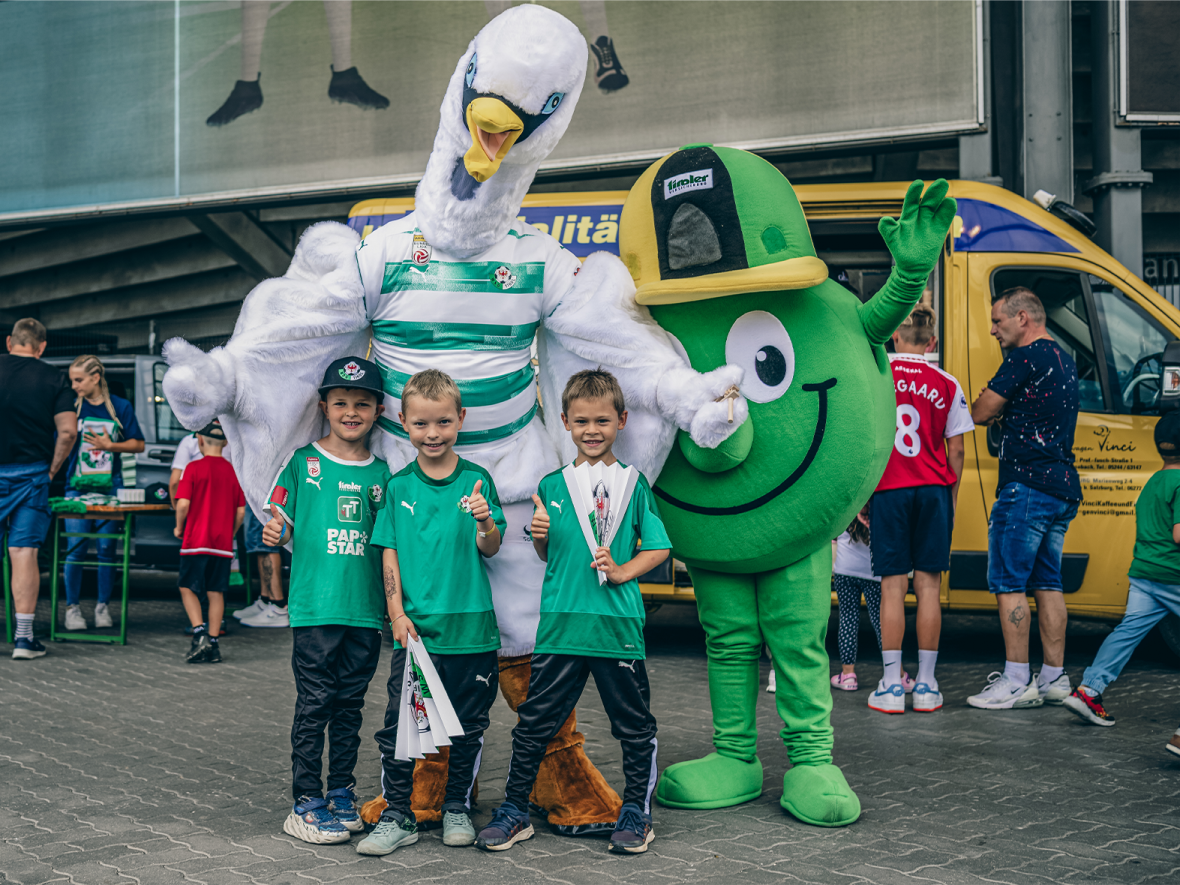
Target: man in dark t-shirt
(36,402)
(1037,496)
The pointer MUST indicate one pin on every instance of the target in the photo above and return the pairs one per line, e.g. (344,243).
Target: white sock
(926,661)
(254,16)
(1048,674)
(24,626)
(1018,673)
(340,34)
(891,658)
(594,16)
(1089,692)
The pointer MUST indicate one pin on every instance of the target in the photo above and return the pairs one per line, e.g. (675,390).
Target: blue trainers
(633,832)
(342,804)
(508,826)
(312,821)
(926,699)
(27,649)
(888,700)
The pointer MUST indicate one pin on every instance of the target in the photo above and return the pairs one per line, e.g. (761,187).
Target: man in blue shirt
(1034,397)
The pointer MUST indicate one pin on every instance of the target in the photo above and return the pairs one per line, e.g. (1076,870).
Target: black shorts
(911,530)
(204,573)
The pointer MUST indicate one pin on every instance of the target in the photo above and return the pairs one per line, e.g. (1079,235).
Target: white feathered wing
(263,383)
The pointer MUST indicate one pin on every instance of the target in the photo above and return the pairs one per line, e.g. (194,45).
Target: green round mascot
(721,254)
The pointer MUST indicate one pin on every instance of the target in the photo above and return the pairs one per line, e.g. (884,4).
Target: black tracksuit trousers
(333,667)
(470,682)
(555,685)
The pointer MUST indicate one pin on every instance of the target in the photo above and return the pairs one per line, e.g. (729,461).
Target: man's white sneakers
(1054,692)
(252,609)
(271,616)
(1004,693)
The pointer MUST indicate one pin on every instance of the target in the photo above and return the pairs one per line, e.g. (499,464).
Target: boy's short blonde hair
(433,385)
(593,384)
(918,328)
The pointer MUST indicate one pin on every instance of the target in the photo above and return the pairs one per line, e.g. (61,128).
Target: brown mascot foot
(576,797)
(569,788)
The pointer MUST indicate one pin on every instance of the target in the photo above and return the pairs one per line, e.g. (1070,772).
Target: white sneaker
(1004,693)
(74,619)
(271,616)
(252,609)
(1054,692)
(102,616)
(926,699)
(888,700)
(770,685)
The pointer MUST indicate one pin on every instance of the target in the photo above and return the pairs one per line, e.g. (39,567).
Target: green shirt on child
(445,588)
(1157,556)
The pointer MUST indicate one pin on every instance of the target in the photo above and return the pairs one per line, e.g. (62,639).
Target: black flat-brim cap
(353,373)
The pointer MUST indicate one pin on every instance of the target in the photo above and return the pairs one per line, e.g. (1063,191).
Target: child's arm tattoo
(390,582)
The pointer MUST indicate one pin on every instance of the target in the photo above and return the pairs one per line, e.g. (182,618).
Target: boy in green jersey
(589,626)
(1155,580)
(441,520)
(325,501)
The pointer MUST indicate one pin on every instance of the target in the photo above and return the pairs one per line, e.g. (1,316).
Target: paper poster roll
(427,719)
(601,494)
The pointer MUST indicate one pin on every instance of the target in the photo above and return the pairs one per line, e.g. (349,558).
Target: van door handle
(160,455)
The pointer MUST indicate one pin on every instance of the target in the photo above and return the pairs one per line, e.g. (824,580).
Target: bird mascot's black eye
(471,71)
(552,104)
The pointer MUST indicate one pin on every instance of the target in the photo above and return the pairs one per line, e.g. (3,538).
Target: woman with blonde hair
(107,429)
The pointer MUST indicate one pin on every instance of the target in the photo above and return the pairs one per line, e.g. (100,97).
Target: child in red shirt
(210,508)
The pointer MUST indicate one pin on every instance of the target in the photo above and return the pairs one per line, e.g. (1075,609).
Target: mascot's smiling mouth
(817,438)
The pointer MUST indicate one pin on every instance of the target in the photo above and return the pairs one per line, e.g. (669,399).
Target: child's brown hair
(433,385)
(592,384)
(918,327)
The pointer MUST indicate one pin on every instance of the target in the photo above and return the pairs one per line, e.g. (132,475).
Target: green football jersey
(445,588)
(332,506)
(579,616)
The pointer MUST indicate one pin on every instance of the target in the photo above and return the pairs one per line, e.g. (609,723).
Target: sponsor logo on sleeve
(279,496)
(701,180)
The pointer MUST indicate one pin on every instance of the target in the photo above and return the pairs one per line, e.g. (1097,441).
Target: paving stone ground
(125,765)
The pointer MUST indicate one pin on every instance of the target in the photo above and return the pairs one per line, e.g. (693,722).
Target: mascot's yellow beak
(494,129)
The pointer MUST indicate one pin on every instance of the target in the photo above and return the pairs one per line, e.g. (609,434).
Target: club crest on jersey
(375,493)
(420,252)
(313,467)
(504,278)
(350,371)
(465,504)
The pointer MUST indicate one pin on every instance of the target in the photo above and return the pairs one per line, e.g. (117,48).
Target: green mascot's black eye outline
(471,69)
(759,343)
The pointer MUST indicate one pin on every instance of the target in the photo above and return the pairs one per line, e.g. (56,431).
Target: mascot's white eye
(471,70)
(553,102)
(759,343)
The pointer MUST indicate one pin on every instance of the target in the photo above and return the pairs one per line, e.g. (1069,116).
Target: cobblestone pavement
(125,765)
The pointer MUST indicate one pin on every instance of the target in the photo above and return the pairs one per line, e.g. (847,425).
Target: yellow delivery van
(1113,324)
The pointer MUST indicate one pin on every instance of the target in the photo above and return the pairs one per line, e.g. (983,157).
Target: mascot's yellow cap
(705,222)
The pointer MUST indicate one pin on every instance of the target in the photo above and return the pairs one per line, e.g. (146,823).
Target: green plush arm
(915,241)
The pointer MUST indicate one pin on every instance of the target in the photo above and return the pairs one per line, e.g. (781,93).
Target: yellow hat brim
(794,273)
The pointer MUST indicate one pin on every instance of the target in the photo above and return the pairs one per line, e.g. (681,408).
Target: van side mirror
(1170,378)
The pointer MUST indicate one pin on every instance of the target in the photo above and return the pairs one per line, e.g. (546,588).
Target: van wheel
(1170,628)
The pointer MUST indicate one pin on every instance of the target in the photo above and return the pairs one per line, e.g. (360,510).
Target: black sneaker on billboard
(609,76)
(246,97)
(349,87)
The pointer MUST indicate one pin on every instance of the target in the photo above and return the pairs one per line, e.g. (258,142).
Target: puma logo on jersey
(627,665)
(410,507)
(315,482)
(484,679)
(555,504)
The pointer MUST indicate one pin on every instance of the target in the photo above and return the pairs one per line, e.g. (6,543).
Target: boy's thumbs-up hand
(478,503)
(539,528)
(272,531)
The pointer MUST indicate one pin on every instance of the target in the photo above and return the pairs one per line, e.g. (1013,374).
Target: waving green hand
(915,239)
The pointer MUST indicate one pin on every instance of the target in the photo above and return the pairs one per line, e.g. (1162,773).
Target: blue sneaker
(633,832)
(312,821)
(508,826)
(926,699)
(27,649)
(342,804)
(888,700)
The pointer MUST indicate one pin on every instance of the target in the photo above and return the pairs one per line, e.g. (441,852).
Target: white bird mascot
(461,285)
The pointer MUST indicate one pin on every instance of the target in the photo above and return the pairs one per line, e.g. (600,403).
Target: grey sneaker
(1003,693)
(102,616)
(457,828)
(74,619)
(1054,692)
(393,831)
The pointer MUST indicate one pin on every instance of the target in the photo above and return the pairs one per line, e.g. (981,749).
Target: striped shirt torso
(474,319)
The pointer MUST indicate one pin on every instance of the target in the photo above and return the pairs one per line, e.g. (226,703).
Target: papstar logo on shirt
(349,542)
(700,180)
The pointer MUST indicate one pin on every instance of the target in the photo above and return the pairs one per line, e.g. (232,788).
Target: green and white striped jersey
(474,319)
